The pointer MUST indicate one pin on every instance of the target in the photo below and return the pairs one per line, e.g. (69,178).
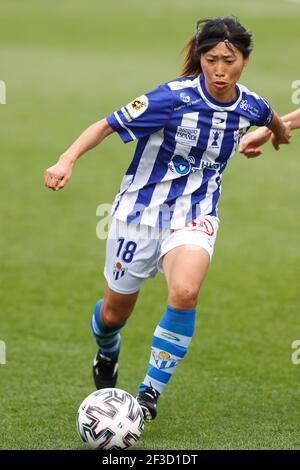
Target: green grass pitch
(67,64)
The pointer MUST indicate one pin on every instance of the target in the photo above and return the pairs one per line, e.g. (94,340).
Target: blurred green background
(67,64)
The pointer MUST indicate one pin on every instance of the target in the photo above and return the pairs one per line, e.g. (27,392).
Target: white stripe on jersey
(206,204)
(124,127)
(142,174)
(244,123)
(125,183)
(252,93)
(160,193)
(219,120)
(176,85)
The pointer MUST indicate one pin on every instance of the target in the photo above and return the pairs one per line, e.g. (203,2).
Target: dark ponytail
(209,33)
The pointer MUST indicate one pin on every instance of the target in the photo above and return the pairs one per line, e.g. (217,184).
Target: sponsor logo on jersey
(187,105)
(183,166)
(184,97)
(138,106)
(254,111)
(210,165)
(202,225)
(187,135)
(216,138)
(217,121)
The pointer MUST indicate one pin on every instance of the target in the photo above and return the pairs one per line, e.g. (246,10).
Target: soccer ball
(110,418)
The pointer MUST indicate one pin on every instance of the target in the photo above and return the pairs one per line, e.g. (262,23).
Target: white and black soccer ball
(110,419)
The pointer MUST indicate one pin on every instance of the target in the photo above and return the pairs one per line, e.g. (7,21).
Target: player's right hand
(57,176)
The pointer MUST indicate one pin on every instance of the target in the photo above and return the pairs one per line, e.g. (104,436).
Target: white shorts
(134,252)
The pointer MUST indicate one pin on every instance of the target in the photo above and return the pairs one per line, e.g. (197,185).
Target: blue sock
(169,346)
(107,338)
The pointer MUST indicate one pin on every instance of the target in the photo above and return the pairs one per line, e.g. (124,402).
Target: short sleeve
(144,115)
(265,113)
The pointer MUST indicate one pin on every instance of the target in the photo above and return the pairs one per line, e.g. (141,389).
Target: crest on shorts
(118,270)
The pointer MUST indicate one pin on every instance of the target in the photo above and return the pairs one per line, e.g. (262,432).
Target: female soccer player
(165,214)
(250,144)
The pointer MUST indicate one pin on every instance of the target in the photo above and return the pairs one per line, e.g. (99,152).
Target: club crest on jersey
(163,360)
(187,135)
(138,106)
(118,270)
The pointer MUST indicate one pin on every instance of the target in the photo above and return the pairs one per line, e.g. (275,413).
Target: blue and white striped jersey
(185,139)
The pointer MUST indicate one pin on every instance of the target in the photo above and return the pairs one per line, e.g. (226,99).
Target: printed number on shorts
(128,250)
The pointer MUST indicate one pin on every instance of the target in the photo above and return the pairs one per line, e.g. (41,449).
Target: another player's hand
(250,143)
(57,176)
(285,137)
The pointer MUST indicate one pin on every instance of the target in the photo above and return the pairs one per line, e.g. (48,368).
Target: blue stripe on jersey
(137,155)
(215,197)
(144,196)
(176,190)
(227,146)
(199,195)
(142,201)
(133,165)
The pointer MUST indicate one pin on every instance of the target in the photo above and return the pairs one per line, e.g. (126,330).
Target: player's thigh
(185,268)
(131,257)
(186,255)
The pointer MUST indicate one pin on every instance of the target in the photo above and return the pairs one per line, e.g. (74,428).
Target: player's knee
(183,296)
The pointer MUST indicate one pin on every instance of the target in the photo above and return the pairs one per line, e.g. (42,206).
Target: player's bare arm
(281,131)
(251,143)
(57,176)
